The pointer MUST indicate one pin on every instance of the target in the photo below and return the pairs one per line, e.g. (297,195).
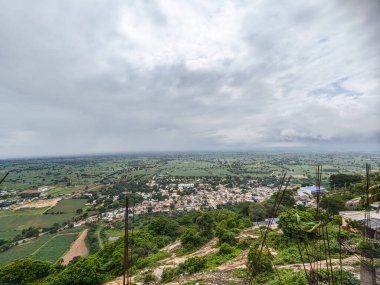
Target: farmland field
(194,168)
(13,222)
(68,206)
(54,248)
(57,191)
(33,247)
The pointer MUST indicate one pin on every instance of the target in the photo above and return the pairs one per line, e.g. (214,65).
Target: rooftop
(312,188)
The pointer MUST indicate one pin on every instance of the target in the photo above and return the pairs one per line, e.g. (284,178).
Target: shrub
(193,265)
(22,271)
(226,249)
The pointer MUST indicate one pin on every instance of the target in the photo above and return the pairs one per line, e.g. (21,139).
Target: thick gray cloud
(115,76)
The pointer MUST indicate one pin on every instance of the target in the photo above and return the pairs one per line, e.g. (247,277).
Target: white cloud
(171,75)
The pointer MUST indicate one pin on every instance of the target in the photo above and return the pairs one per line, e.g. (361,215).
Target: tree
(205,224)
(257,212)
(332,204)
(226,236)
(30,232)
(191,239)
(163,226)
(85,272)
(22,271)
(343,180)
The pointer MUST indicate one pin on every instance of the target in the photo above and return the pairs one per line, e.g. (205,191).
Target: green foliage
(244,244)
(226,236)
(84,272)
(22,271)
(225,249)
(30,232)
(151,260)
(259,262)
(344,180)
(368,249)
(262,210)
(257,212)
(148,277)
(348,277)
(289,222)
(92,239)
(205,223)
(191,239)
(163,226)
(333,204)
(169,274)
(287,276)
(193,265)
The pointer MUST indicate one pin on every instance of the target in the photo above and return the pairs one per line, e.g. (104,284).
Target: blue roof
(312,188)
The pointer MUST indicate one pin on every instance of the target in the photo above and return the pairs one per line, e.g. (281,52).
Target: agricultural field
(59,191)
(13,222)
(68,206)
(42,247)
(193,168)
(55,248)
(70,174)
(70,171)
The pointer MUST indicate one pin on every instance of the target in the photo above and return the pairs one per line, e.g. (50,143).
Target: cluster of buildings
(305,196)
(199,199)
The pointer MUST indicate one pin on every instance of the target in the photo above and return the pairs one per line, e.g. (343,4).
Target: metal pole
(126,245)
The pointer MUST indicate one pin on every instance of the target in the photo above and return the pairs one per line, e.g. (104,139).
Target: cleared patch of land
(39,204)
(78,248)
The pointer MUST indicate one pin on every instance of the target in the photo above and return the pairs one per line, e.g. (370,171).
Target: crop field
(68,206)
(193,168)
(33,247)
(82,171)
(13,222)
(57,191)
(55,247)
(33,173)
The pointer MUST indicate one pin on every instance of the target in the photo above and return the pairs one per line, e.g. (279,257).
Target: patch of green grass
(216,259)
(114,233)
(152,260)
(185,251)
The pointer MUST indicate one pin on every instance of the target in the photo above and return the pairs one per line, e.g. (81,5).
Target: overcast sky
(124,76)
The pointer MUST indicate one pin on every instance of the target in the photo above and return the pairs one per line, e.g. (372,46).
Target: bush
(226,249)
(193,265)
(168,275)
(191,239)
(22,271)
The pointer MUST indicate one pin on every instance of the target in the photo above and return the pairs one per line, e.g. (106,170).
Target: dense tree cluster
(344,180)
